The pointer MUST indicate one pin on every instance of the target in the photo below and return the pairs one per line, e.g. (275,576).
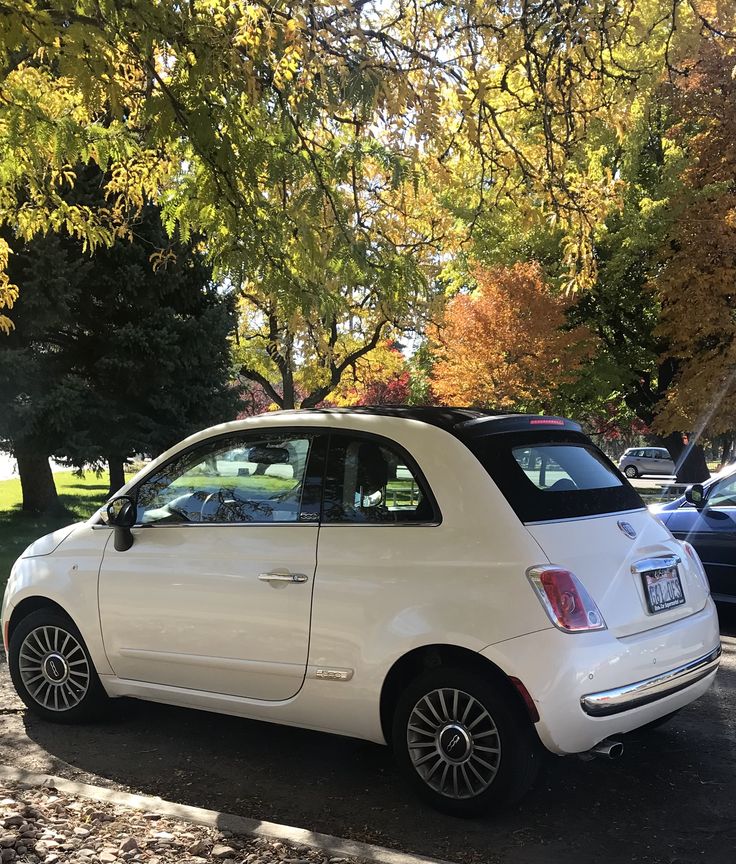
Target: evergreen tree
(110,355)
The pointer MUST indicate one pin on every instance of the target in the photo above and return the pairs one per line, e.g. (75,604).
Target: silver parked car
(638,461)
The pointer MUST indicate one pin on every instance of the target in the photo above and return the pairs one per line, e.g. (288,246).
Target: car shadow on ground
(669,797)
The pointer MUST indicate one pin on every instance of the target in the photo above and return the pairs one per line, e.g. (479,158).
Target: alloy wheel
(54,668)
(453,743)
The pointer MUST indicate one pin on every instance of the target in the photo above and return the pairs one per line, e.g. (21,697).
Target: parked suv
(638,461)
(460,584)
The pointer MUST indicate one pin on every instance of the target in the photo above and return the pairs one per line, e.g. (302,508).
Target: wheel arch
(418,660)
(32,604)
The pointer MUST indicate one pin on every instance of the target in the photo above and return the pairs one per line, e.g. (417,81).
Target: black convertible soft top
(464,423)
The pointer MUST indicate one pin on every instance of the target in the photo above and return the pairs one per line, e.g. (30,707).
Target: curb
(335,846)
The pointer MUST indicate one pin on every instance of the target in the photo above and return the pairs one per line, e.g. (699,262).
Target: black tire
(631,472)
(516,764)
(51,641)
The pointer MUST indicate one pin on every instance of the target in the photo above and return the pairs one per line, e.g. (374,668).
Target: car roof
(464,422)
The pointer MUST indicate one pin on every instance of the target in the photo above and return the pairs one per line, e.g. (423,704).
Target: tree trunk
(36,482)
(689,460)
(116,470)
(726,450)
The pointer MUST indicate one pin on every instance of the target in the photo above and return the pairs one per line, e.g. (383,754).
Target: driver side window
(724,495)
(235,479)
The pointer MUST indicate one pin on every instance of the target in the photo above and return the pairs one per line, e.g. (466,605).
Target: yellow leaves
(161,258)
(8,292)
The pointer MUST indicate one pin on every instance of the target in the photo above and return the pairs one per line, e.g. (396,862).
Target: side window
(244,478)
(724,495)
(369,480)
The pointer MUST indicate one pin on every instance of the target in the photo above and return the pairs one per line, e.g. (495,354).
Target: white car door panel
(185,606)
(215,593)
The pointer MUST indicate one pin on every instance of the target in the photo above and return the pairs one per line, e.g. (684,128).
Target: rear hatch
(588,519)
(609,563)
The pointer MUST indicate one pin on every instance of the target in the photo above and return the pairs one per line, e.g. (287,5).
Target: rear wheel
(463,742)
(630,471)
(52,671)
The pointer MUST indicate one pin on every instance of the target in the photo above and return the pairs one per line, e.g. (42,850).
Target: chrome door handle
(283,577)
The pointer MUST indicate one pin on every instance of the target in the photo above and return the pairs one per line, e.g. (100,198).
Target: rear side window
(548,475)
(369,479)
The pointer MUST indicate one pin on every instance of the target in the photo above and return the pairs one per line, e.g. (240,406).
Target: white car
(459,584)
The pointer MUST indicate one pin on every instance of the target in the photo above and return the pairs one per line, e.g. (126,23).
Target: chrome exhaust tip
(608,749)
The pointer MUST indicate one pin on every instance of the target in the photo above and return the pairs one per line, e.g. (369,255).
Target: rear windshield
(554,475)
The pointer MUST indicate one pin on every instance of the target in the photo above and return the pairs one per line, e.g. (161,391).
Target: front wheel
(630,471)
(52,671)
(463,742)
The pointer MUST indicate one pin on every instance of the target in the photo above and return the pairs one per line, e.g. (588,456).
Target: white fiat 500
(460,584)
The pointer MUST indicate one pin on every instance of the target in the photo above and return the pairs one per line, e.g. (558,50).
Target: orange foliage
(697,284)
(503,346)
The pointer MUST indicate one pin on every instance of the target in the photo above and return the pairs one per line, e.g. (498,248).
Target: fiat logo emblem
(627,528)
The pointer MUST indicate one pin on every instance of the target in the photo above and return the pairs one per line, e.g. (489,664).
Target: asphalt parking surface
(670,798)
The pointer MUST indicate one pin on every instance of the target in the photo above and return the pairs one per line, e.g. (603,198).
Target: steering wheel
(187,514)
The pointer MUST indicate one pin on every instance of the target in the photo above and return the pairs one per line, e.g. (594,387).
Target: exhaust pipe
(608,749)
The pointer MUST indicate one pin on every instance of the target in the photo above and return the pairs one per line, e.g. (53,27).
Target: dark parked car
(705,516)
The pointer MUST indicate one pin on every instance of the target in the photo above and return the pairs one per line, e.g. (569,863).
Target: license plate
(663,588)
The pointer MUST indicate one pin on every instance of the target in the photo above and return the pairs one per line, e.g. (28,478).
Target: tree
(506,345)
(697,281)
(381,377)
(210,108)
(109,356)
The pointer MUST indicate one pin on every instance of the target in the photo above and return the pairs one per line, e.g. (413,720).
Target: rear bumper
(591,686)
(619,699)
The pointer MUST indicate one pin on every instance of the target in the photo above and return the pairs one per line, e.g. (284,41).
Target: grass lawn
(79,496)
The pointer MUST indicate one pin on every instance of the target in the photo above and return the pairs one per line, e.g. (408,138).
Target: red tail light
(565,600)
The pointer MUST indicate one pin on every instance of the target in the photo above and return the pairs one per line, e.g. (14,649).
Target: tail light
(565,600)
(697,564)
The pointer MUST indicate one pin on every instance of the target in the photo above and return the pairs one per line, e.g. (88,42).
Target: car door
(215,593)
(650,463)
(712,531)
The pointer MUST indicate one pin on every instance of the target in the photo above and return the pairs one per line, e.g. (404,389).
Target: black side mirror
(695,495)
(122,513)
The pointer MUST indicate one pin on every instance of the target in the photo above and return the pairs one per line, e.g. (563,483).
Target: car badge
(627,528)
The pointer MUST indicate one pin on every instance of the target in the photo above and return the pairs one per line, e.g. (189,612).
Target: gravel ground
(45,826)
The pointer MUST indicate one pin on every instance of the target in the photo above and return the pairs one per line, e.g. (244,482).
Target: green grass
(79,497)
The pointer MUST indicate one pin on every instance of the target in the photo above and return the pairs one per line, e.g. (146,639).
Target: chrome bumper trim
(635,695)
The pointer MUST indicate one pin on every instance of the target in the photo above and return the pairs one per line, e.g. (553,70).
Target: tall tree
(208,107)
(697,282)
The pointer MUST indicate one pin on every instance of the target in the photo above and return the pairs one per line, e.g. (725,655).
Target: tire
(630,471)
(486,715)
(52,671)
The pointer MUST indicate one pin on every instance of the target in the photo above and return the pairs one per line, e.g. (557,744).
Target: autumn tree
(382,377)
(697,283)
(254,122)
(506,344)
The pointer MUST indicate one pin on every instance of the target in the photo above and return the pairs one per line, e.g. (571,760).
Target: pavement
(669,799)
